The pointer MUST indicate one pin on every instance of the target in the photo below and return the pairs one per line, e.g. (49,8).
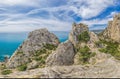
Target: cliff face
(36,42)
(113,29)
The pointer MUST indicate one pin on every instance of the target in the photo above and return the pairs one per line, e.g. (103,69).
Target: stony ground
(109,68)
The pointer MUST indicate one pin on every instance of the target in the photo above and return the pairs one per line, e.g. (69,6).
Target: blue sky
(55,15)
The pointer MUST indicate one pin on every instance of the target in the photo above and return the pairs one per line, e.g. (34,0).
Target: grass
(6,72)
(84,36)
(22,67)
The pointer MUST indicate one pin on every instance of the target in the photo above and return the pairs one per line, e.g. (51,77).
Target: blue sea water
(9,42)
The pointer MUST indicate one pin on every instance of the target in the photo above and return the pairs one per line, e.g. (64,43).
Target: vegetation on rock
(41,55)
(22,67)
(2,67)
(85,54)
(110,48)
(50,46)
(84,36)
(6,72)
(19,52)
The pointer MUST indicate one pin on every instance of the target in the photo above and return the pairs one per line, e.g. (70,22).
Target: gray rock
(77,29)
(64,55)
(35,41)
(34,64)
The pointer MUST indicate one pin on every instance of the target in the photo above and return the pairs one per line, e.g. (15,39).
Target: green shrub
(5,72)
(42,61)
(38,58)
(39,52)
(19,52)
(85,54)
(41,55)
(111,48)
(50,46)
(84,36)
(2,67)
(22,67)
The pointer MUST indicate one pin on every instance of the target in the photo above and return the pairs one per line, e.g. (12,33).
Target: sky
(55,15)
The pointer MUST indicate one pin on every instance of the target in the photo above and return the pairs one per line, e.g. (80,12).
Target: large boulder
(113,30)
(64,55)
(36,41)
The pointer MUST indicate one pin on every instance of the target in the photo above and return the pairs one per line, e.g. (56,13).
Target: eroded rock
(36,41)
(77,29)
(63,55)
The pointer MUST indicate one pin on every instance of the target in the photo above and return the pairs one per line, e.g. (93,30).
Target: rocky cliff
(83,55)
(113,29)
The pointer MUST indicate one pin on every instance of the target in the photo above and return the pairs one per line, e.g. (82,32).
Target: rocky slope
(36,42)
(83,55)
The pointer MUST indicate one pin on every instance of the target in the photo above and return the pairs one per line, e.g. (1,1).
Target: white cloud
(90,8)
(13,2)
(57,21)
(30,24)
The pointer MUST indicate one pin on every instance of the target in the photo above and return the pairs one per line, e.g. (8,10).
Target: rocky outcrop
(63,55)
(113,30)
(36,41)
(32,65)
(77,29)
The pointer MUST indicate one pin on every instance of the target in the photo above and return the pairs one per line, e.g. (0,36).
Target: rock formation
(63,55)
(113,30)
(36,41)
(77,29)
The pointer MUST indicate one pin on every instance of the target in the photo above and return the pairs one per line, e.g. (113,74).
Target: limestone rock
(113,30)
(35,41)
(108,68)
(93,37)
(34,64)
(64,55)
(77,29)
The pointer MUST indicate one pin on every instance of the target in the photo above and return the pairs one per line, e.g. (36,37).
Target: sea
(9,42)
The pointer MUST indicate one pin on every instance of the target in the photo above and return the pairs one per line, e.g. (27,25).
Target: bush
(42,61)
(5,72)
(84,36)
(39,52)
(38,58)
(50,47)
(2,67)
(111,48)
(85,54)
(19,52)
(22,67)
